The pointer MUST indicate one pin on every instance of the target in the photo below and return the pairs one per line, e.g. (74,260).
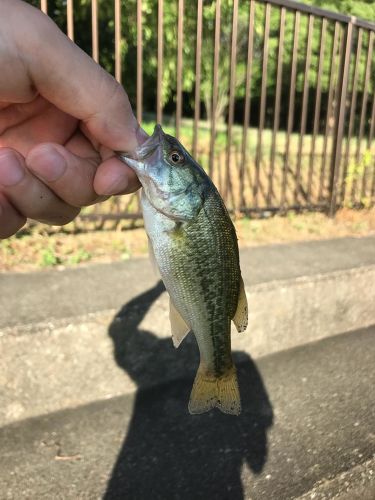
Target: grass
(39,249)
(84,241)
(283,183)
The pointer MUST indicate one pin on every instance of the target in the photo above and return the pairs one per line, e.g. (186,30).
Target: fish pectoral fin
(151,254)
(240,318)
(209,392)
(179,327)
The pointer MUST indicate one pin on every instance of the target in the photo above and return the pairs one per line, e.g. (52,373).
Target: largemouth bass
(194,244)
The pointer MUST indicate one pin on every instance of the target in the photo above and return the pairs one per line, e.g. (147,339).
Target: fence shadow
(167,453)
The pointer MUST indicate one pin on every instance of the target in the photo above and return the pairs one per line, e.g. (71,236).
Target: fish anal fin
(209,392)
(240,318)
(179,327)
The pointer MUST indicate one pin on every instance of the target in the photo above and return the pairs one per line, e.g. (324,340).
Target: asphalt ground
(307,428)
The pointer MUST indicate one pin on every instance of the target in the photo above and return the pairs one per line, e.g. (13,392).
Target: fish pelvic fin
(240,318)
(221,392)
(179,327)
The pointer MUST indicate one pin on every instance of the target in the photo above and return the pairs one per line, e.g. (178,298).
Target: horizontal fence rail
(275,99)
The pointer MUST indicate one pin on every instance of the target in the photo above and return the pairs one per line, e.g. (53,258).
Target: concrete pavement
(27,298)
(307,430)
(57,326)
(93,396)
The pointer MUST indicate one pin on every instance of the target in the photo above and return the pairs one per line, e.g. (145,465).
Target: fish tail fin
(229,400)
(209,392)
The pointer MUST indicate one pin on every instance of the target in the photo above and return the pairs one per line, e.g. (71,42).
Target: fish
(194,246)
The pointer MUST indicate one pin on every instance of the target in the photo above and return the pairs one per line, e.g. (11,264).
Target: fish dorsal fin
(240,317)
(151,254)
(179,326)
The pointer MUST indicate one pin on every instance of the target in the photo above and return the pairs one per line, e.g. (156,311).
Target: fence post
(342,89)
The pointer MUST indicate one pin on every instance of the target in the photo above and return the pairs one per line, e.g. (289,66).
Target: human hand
(61,118)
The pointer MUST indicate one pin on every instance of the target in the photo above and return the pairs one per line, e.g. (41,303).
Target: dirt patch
(41,249)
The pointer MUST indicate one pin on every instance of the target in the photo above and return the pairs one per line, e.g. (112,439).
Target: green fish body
(194,244)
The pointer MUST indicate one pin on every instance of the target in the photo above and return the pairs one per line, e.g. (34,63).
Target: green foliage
(6,247)
(364,9)
(122,248)
(356,172)
(48,257)
(82,28)
(80,256)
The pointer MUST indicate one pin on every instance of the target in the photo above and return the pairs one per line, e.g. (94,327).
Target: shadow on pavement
(167,453)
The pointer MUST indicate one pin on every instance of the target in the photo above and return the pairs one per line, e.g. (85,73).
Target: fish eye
(176,157)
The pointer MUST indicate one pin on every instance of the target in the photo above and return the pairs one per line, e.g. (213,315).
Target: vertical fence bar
(363,111)
(249,66)
(70,21)
(343,80)
(232,89)
(364,106)
(372,124)
(139,78)
(263,97)
(197,97)
(353,106)
(371,136)
(305,98)
(370,141)
(215,86)
(369,146)
(276,121)
(291,107)
(159,91)
(94,30)
(43,6)
(118,40)
(180,41)
(139,62)
(318,101)
(329,110)
(365,94)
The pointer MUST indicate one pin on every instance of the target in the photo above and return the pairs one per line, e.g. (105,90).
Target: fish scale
(209,297)
(194,244)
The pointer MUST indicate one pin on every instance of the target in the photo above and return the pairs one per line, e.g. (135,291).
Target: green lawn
(310,187)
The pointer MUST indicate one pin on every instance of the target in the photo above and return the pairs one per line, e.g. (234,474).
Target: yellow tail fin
(210,392)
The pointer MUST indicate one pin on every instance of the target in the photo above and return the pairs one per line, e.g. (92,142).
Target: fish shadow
(168,453)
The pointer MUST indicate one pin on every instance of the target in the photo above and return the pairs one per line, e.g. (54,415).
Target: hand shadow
(168,453)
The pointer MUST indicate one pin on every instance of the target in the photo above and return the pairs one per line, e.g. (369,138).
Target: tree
(82,25)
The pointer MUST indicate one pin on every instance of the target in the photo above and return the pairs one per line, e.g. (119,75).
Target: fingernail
(47,163)
(11,171)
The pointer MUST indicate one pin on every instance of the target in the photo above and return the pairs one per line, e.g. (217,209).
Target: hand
(61,118)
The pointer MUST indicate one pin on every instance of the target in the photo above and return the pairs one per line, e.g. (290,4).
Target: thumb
(66,76)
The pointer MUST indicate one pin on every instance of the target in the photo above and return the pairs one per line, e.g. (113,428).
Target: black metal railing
(275,98)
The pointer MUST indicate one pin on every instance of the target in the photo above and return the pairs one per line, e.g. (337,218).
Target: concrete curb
(70,359)
(285,314)
(30,298)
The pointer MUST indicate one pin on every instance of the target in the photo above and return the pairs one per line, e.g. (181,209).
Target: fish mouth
(145,150)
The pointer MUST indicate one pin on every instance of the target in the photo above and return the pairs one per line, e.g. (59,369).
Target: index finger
(66,76)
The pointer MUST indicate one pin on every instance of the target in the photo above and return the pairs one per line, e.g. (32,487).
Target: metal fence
(276,99)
